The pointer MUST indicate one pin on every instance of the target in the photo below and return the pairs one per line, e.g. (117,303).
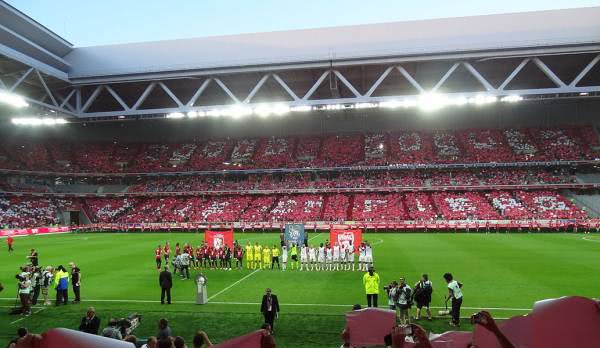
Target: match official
(165,280)
(371,283)
(269,307)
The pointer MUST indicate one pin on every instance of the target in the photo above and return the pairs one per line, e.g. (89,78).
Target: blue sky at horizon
(89,23)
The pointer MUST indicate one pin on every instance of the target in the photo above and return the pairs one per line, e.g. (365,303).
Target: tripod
(16,309)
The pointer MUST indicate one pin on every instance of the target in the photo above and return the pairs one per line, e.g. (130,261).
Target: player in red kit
(177,250)
(199,257)
(9,243)
(158,257)
(167,252)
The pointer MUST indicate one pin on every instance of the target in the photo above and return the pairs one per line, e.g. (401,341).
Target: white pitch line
(286,304)
(590,240)
(18,320)
(234,284)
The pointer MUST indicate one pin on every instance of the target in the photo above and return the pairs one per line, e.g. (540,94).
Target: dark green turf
(498,270)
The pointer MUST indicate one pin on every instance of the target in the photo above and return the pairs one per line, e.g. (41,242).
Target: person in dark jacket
(269,307)
(165,280)
(90,323)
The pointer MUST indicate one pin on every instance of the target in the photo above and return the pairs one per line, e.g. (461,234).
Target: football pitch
(505,273)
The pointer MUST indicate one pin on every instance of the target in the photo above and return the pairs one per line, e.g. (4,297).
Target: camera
(127,325)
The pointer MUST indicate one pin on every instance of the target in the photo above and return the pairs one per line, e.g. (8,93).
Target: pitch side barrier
(397,226)
(397,166)
(575,186)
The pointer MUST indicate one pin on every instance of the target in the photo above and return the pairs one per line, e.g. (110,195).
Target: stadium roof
(24,36)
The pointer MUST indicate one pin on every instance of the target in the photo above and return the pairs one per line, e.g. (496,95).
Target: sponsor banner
(346,237)
(33,231)
(294,234)
(218,239)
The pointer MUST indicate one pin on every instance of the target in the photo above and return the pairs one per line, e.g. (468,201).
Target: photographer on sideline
(391,293)
(454,293)
(46,280)
(36,283)
(404,295)
(112,331)
(422,296)
(24,292)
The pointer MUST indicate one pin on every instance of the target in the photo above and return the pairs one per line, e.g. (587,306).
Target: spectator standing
(165,281)
(275,256)
(61,284)
(454,293)
(90,323)
(371,283)
(76,281)
(164,331)
(269,307)
(151,342)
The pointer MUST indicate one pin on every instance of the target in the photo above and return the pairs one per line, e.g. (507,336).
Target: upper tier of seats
(405,147)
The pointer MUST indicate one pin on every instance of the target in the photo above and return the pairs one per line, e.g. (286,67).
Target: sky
(102,22)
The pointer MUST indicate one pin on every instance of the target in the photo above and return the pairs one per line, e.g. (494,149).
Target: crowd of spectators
(409,147)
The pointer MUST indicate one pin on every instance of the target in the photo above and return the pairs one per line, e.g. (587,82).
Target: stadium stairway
(590,203)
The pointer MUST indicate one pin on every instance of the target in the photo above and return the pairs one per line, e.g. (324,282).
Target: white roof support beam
(198,92)
(514,73)
(548,72)
(316,85)
(117,97)
(21,79)
(92,97)
(379,81)
(256,88)
(585,70)
(171,94)
(65,101)
(410,79)
(445,77)
(478,76)
(144,95)
(226,89)
(347,83)
(48,92)
(286,87)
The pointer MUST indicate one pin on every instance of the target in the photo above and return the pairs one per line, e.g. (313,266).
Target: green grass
(498,270)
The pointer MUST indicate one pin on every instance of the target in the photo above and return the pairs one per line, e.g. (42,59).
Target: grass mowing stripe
(18,320)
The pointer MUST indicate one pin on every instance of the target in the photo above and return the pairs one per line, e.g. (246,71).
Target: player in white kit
(312,258)
(284,253)
(362,255)
(336,257)
(304,258)
(329,258)
(368,256)
(321,257)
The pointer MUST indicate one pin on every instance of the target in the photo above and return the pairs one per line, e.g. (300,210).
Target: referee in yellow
(249,256)
(275,256)
(371,283)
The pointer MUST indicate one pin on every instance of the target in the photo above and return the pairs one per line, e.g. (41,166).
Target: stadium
(466,145)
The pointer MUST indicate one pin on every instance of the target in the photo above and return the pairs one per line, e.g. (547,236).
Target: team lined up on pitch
(322,257)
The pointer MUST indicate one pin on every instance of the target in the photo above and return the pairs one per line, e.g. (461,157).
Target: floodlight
(238,111)
(482,99)
(175,115)
(301,108)
(281,109)
(263,110)
(192,114)
(512,98)
(213,113)
(432,101)
(13,99)
(365,105)
(392,104)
